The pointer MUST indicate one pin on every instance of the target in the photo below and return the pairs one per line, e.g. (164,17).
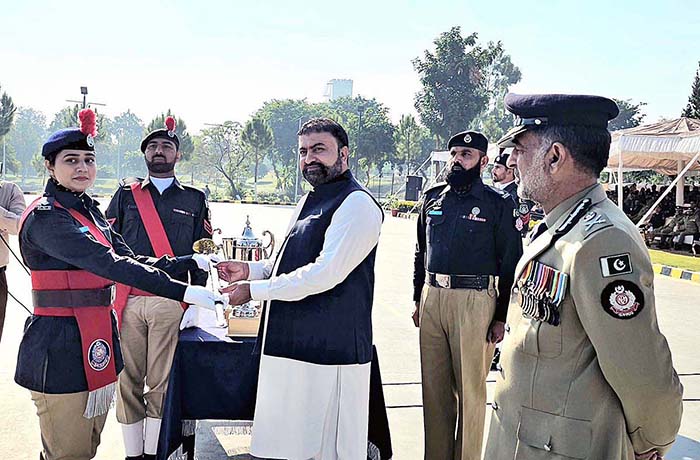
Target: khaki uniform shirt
(12,205)
(600,384)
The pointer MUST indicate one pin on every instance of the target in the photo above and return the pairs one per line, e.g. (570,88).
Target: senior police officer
(157,216)
(466,238)
(586,373)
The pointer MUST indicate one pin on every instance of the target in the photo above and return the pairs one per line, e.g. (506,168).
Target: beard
(159,167)
(536,182)
(461,179)
(321,174)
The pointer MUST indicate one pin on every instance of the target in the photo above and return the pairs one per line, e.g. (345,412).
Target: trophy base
(243,327)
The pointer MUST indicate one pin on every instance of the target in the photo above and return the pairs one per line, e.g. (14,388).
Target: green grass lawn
(675,260)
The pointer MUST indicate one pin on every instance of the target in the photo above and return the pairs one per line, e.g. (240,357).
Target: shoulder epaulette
(127,181)
(191,187)
(435,187)
(593,222)
(45,204)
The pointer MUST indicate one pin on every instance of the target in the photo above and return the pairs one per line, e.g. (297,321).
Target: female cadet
(69,357)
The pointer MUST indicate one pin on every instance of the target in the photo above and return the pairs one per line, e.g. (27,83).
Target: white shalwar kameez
(312,411)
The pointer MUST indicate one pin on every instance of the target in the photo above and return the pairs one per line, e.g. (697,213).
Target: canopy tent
(669,147)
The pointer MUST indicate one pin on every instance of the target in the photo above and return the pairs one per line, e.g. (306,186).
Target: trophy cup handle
(269,249)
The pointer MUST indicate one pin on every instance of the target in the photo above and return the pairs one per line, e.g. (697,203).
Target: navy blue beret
(160,134)
(67,139)
(541,110)
(469,139)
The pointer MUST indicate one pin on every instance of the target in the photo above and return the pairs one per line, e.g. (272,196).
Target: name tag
(435,212)
(84,229)
(184,213)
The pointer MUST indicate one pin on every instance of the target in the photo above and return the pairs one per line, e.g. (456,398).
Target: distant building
(338,88)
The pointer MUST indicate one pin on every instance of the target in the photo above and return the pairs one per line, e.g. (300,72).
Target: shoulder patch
(622,299)
(619,264)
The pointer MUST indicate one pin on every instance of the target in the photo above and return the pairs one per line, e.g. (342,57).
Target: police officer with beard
(464,265)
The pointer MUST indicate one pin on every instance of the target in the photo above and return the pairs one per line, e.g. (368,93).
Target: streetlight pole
(4,166)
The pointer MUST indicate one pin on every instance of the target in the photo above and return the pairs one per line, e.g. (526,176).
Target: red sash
(157,237)
(94,323)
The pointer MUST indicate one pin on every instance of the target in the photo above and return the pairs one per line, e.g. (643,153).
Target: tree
(27,136)
(284,117)
(410,139)
(630,115)
(692,110)
(370,131)
(67,117)
(126,131)
(258,139)
(221,148)
(7,113)
(461,81)
(186,144)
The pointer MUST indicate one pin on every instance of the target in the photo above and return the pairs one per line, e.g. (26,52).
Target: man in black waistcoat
(464,264)
(313,391)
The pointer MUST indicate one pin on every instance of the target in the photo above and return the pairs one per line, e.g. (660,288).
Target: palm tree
(257,137)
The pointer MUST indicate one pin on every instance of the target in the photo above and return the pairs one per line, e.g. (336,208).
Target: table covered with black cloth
(215,377)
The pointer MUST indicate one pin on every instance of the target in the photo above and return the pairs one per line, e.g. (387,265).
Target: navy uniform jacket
(473,234)
(183,210)
(50,355)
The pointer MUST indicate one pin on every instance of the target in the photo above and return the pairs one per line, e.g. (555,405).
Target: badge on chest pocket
(543,289)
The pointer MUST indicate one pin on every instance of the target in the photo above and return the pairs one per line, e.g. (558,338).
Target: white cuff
(260,290)
(256,270)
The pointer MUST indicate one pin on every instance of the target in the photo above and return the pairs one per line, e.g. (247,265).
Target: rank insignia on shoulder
(591,219)
(619,264)
(543,289)
(44,205)
(622,299)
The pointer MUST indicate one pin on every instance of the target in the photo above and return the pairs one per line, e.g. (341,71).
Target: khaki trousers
(149,334)
(455,361)
(65,433)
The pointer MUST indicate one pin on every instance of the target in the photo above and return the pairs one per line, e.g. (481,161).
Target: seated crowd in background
(669,226)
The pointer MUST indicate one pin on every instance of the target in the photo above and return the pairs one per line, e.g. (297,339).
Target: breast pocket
(183,221)
(435,228)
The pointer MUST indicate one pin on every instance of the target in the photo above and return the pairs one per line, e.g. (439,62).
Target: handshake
(231,271)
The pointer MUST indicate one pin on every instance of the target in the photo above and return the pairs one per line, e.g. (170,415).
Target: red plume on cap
(170,124)
(88,126)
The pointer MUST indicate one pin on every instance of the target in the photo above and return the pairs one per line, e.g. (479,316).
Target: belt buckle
(443,280)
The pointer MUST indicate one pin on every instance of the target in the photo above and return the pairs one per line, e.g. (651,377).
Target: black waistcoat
(335,326)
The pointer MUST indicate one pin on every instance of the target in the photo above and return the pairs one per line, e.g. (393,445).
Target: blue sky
(220,60)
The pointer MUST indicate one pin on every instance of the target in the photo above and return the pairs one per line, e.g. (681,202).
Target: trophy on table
(242,320)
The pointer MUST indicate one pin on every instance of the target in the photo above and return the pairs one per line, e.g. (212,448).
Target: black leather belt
(74,298)
(439,280)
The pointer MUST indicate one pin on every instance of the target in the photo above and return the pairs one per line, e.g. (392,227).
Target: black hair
(325,125)
(589,146)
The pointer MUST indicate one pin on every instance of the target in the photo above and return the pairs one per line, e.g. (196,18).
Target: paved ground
(395,337)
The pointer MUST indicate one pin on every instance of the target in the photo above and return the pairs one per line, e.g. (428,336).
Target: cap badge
(468,138)
(90,140)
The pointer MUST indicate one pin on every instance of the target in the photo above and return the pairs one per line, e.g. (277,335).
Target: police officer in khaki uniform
(586,373)
(465,258)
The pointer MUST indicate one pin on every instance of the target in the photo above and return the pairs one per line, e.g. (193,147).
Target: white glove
(203,297)
(203,261)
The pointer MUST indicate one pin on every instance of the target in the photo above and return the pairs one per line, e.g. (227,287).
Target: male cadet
(313,392)
(156,216)
(12,206)
(466,238)
(585,371)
